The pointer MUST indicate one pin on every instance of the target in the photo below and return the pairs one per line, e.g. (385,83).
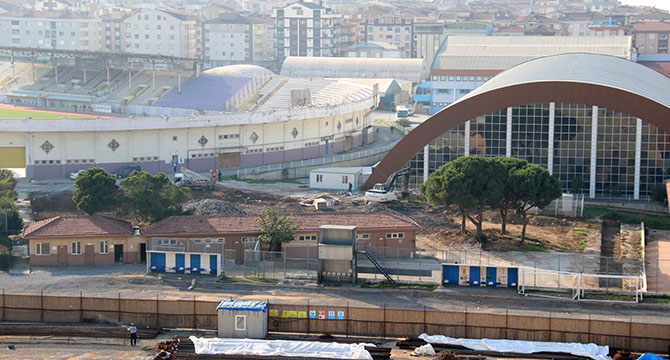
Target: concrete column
(467,139)
(84,75)
(179,83)
(508,134)
(130,78)
(426,157)
(153,76)
(594,152)
(638,156)
(56,69)
(550,150)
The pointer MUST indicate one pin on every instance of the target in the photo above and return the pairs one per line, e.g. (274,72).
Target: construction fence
(341,319)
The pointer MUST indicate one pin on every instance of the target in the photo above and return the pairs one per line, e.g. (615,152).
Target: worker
(220,175)
(133,334)
(351,186)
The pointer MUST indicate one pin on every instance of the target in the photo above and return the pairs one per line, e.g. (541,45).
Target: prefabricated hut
(336,178)
(242,319)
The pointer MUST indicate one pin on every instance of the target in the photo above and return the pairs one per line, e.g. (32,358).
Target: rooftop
(211,225)
(78,226)
(651,26)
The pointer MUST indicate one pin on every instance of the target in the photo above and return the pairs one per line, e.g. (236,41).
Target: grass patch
(611,297)
(663,300)
(387,285)
(659,222)
(566,247)
(529,246)
(20,114)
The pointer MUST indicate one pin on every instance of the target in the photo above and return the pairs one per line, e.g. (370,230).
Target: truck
(386,192)
(193,180)
(401,112)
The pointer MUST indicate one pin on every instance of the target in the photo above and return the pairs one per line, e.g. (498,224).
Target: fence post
(308,318)
(4,304)
(81,306)
(507,324)
(424,319)
(118,308)
(42,305)
(195,319)
(588,337)
(549,327)
(384,324)
(347,319)
(157,305)
(466,322)
(630,332)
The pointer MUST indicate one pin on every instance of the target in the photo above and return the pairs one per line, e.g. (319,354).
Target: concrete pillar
(550,150)
(508,134)
(426,158)
(638,156)
(55,63)
(594,152)
(153,76)
(179,83)
(466,139)
(84,75)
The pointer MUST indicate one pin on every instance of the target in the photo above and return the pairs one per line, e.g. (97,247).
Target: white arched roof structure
(413,70)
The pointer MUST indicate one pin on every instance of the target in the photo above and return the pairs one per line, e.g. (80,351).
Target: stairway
(376,264)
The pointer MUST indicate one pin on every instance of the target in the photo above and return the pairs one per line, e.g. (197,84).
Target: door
(491,276)
(450,275)
(89,255)
(348,142)
(157,262)
(213,264)
(512,277)
(118,253)
(474,275)
(12,157)
(179,263)
(195,264)
(61,255)
(229,160)
(143,252)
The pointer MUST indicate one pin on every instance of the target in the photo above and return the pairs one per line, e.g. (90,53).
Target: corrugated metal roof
(248,305)
(413,70)
(502,52)
(609,71)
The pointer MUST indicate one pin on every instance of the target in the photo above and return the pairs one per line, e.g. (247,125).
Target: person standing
(133,334)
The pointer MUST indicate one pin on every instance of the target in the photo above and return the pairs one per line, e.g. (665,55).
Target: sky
(661,4)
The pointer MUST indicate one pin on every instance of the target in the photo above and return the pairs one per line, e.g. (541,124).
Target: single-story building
(336,178)
(83,240)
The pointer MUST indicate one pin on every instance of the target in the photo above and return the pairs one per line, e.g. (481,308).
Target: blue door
(491,276)
(512,277)
(213,265)
(195,264)
(475,276)
(158,262)
(450,275)
(179,263)
(326,147)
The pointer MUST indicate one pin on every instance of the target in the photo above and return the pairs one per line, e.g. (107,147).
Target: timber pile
(182,348)
(73,330)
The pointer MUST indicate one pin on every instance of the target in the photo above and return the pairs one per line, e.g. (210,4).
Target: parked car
(125,171)
(73,175)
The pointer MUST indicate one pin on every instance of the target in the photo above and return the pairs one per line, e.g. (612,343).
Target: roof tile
(78,226)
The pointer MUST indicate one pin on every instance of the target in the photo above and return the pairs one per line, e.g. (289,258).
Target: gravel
(207,207)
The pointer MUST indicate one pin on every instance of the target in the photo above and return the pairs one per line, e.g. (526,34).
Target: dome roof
(239,70)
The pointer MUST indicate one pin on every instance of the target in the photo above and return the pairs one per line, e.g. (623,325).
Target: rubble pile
(207,207)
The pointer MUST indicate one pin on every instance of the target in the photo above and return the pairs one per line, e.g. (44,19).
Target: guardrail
(314,161)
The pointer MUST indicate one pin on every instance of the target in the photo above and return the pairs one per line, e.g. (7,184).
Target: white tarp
(280,348)
(592,351)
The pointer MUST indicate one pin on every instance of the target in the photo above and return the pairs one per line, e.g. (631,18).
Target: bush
(404,122)
(5,259)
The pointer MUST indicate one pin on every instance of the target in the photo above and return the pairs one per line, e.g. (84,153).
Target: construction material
(287,348)
(592,351)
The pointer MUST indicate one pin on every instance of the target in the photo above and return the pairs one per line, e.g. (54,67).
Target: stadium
(597,122)
(223,118)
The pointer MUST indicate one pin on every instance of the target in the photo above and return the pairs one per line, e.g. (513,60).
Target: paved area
(657,258)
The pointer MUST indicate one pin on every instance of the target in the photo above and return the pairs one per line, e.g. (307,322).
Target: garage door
(12,157)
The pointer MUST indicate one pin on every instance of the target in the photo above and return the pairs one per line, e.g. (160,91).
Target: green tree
(577,185)
(509,196)
(14,223)
(95,190)
(276,229)
(151,197)
(5,258)
(659,193)
(471,183)
(534,187)
(7,183)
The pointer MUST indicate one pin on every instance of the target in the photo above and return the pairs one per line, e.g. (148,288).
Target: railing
(312,162)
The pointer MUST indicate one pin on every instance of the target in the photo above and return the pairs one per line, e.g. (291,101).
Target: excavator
(386,192)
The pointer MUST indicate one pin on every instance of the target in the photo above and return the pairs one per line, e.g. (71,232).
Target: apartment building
(395,30)
(235,39)
(651,37)
(162,32)
(60,30)
(306,29)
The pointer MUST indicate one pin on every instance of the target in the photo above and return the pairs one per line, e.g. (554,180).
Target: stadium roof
(413,70)
(239,70)
(502,52)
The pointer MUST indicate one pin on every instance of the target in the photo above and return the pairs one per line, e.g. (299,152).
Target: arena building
(230,117)
(597,122)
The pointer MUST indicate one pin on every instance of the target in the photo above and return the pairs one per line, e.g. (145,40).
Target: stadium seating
(208,92)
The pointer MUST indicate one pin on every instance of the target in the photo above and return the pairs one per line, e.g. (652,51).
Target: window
(443,78)
(75,248)
(363,236)
(319,178)
(458,78)
(435,77)
(249,239)
(395,235)
(345,179)
(240,322)
(43,249)
(103,247)
(221,240)
(306,237)
(198,241)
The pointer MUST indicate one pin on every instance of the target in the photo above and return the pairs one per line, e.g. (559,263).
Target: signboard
(274,312)
(322,315)
(302,314)
(340,315)
(293,314)
(312,314)
(326,138)
(285,313)
(331,315)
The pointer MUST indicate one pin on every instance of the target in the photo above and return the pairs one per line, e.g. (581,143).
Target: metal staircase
(370,254)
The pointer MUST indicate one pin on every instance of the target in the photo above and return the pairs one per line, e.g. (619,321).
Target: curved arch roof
(239,70)
(605,81)
(413,70)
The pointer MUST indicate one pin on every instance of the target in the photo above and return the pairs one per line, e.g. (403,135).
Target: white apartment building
(160,32)
(228,40)
(394,30)
(306,29)
(50,30)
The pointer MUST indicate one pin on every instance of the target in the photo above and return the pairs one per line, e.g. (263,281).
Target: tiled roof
(78,226)
(652,26)
(210,225)
(661,66)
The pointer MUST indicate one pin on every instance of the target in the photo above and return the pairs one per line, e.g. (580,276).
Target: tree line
(10,220)
(141,195)
(474,184)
